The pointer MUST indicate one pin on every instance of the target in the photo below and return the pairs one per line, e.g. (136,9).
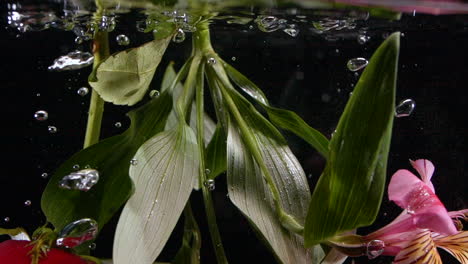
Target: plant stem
(202,44)
(96,106)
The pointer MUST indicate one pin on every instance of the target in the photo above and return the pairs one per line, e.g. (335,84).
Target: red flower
(17,252)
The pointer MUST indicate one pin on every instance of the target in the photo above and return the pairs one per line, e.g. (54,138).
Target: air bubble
(122,40)
(233,58)
(363,39)
(27,203)
(76,167)
(82,91)
(209,184)
(76,233)
(269,23)
(92,246)
(291,32)
(82,180)
(405,108)
(118,124)
(375,248)
(78,40)
(207,171)
(72,61)
(211,61)
(41,115)
(356,64)
(52,129)
(134,162)
(179,37)
(107,23)
(6,219)
(154,94)
(44,175)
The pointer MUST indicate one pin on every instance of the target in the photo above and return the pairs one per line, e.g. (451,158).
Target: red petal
(16,252)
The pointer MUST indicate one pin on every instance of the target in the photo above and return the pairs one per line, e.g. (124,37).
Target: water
(301,68)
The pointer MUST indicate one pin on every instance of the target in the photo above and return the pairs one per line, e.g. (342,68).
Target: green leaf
(279,117)
(16,233)
(166,172)
(124,77)
(215,157)
(249,192)
(350,190)
(189,253)
(112,158)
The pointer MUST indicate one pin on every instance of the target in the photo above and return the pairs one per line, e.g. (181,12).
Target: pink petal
(427,211)
(425,168)
(402,183)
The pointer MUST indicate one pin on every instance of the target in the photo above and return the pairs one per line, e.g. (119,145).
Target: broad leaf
(124,77)
(249,192)
(350,190)
(111,157)
(215,156)
(166,172)
(279,117)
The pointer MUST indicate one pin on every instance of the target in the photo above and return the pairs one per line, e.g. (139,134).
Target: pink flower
(424,224)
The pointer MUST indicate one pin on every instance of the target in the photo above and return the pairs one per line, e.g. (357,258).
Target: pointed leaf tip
(350,190)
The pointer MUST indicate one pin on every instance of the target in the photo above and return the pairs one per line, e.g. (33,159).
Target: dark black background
(306,74)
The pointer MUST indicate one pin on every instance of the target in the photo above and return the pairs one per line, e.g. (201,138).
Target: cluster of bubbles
(272,23)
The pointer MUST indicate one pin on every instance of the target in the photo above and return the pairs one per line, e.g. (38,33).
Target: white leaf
(165,173)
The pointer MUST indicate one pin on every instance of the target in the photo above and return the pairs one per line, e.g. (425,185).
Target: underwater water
(308,62)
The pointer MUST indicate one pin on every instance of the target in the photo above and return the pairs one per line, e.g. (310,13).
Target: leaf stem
(209,209)
(96,106)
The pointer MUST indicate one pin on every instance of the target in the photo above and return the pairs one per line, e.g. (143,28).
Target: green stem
(96,106)
(209,209)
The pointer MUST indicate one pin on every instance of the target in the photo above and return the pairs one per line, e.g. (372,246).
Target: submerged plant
(173,147)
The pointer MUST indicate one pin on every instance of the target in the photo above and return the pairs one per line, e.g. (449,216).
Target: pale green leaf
(249,192)
(279,117)
(124,77)
(166,172)
(350,190)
